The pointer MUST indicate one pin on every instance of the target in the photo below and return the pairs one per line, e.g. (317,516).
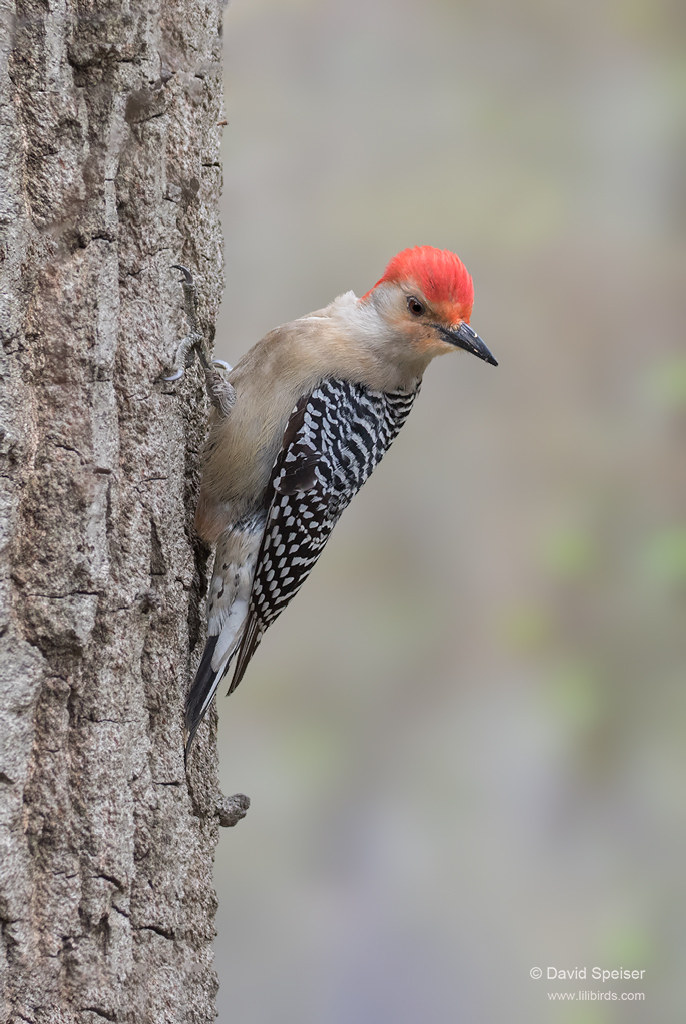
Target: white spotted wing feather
(335,438)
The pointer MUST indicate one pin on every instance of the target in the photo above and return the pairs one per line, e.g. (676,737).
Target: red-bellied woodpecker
(297,428)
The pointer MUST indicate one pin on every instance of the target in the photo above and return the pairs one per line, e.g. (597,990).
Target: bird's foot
(219,390)
(183,356)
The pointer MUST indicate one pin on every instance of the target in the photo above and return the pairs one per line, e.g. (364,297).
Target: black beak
(464,337)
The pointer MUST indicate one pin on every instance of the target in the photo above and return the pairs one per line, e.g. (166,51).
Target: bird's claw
(188,277)
(193,340)
(175,376)
(219,390)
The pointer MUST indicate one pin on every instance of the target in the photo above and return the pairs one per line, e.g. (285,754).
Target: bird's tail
(202,691)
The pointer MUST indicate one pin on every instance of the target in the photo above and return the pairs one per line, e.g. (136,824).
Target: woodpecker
(296,429)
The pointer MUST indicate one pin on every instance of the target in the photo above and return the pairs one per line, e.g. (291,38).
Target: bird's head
(425,298)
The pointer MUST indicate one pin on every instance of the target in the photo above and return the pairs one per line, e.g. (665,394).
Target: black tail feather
(248,646)
(200,693)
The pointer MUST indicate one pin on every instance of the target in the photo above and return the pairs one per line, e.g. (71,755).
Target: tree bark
(111,174)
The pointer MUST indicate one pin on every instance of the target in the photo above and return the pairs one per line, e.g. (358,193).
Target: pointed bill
(465,337)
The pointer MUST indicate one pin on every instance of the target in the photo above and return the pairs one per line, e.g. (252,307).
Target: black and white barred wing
(335,438)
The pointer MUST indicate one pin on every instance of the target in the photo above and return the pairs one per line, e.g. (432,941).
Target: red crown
(439,273)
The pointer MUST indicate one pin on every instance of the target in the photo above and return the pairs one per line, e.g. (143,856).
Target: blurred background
(465,741)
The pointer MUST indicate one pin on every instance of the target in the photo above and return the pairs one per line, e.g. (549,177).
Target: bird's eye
(415,306)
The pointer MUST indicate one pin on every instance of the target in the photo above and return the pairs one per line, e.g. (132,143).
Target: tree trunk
(110,166)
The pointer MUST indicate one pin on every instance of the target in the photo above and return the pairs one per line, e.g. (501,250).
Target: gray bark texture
(109,156)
